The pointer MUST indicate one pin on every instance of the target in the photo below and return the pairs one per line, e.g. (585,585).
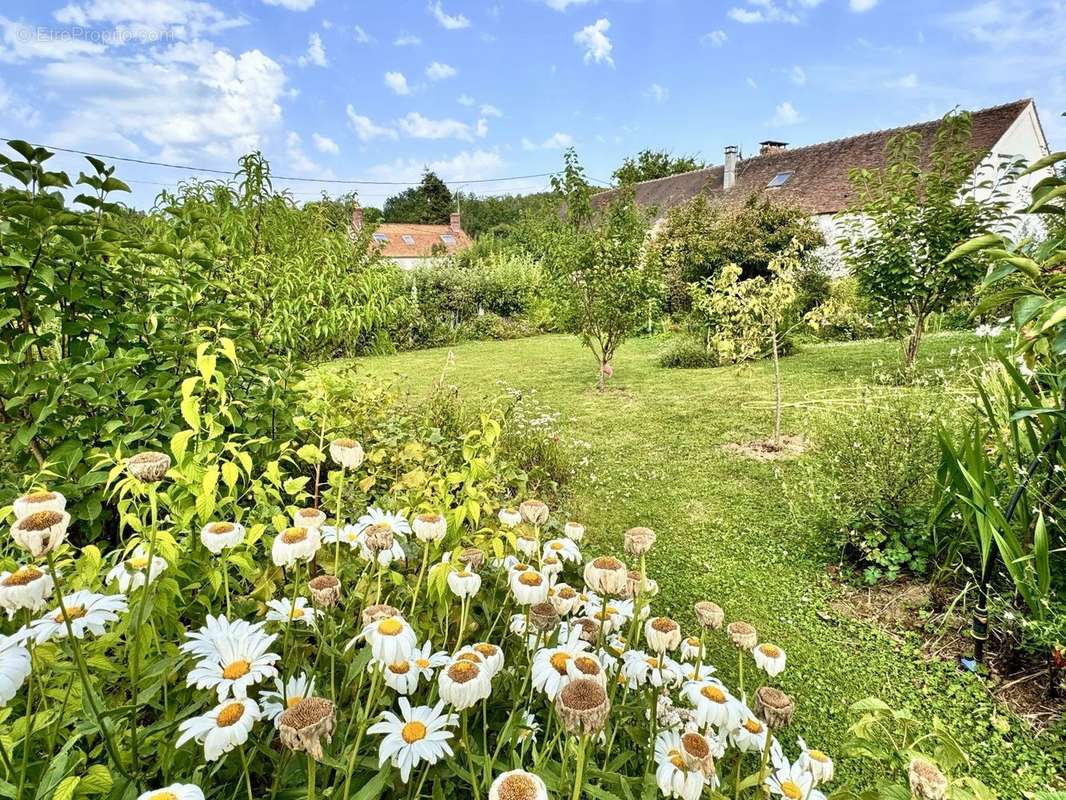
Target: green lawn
(724,530)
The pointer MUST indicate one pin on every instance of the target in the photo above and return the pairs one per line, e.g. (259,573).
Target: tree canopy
(429,203)
(651,164)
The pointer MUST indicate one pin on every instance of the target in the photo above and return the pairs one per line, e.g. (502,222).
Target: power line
(211,171)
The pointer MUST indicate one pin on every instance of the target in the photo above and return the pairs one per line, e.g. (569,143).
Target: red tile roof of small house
(819,183)
(426,240)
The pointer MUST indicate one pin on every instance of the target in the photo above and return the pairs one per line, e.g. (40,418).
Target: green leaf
(96,780)
(190,412)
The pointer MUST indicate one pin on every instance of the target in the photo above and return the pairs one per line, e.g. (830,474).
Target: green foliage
(429,203)
(687,352)
(907,218)
(869,488)
(700,238)
(652,164)
(843,315)
(501,216)
(597,264)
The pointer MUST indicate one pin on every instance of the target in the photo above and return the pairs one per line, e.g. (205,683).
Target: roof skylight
(780,179)
(408,238)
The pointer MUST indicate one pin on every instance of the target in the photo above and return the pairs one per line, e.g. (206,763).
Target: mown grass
(725,533)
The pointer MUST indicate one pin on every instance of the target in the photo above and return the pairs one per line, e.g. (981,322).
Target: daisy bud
(346,453)
(148,467)
(663,634)
(606,575)
(378,537)
(926,779)
(774,706)
(697,754)
(742,635)
(583,707)
(303,726)
(41,532)
(526,544)
(574,531)
(39,501)
(544,617)
(379,612)
(509,517)
(309,518)
(518,785)
(639,541)
(325,590)
(709,615)
(464,583)
(472,558)
(534,512)
(430,527)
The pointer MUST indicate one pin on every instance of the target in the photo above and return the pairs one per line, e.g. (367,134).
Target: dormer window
(780,179)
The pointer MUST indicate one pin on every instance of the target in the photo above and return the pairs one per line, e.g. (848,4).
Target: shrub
(868,486)
(687,352)
(842,315)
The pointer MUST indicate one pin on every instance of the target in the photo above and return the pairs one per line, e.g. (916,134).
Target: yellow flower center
(753,726)
(40,521)
(463,573)
(163,796)
(473,658)
(520,567)
(652,662)
(791,790)
(296,613)
(557,546)
(308,512)
(138,562)
(610,611)
(237,669)
(294,535)
(663,625)
(400,668)
(769,650)
(713,693)
(530,579)
(567,593)
(390,627)
(23,576)
(220,527)
(559,660)
(676,760)
(462,671)
(693,641)
(588,666)
(423,663)
(293,701)
(818,755)
(487,650)
(413,732)
(230,715)
(695,745)
(70,612)
(39,497)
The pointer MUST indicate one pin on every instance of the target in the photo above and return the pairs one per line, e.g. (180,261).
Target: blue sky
(481,90)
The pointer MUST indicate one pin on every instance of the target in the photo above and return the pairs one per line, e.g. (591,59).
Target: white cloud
(482,129)
(297,157)
(419,127)
(562,5)
(660,94)
(149,20)
(797,76)
(466,100)
(407,40)
(859,6)
(316,52)
(447,21)
(488,110)
(768,11)
(14,109)
(324,144)
(908,81)
(596,43)
(751,83)
(714,38)
(466,166)
(366,129)
(292,5)
(438,71)
(397,82)
(18,42)
(786,114)
(557,141)
(361,36)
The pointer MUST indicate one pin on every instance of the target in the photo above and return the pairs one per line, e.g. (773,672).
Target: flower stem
(579,778)
(311,764)
(736,776)
(339,523)
(138,627)
(421,575)
(371,699)
(29,729)
(290,623)
(247,777)
(470,757)
(9,768)
(225,582)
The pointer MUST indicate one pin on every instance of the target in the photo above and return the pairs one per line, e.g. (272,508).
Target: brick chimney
(455,224)
(771,146)
(729,174)
(357,219)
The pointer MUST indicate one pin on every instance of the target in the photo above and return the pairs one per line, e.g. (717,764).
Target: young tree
(429,203)
(597,264)
(908,217)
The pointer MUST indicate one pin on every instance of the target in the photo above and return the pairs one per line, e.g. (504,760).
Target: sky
(489,94)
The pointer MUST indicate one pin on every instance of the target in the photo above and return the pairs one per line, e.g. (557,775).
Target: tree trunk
(777,390)
(602,384)
(910,348)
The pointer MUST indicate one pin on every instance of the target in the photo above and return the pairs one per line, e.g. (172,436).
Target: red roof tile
(418,241)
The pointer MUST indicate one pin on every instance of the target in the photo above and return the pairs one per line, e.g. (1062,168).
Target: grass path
(724,530)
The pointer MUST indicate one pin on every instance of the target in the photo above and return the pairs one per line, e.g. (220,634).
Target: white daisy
(33,502)
(375,516)
(574,531)
(564,549)
(529,587)
(430,527)
(713,704)
(295,544)
(418,734)
(817,763)
(283,610)
(27,587)
(286,695)
(509,517)
(134,572)
(612,616)
(241,661)
(529,728)
(692,649)
(87,611)
(219,536)
(176,791)
(221,729)
(309,518)
(207,641)
(564,598)
(551,665)
(15,666)
(769,657)
(662,634)
(491,656)
(463,683)
(750,735)
(792,781)
(640,669)
(391,640)
(551,566)
(348,535)
(587,666)
(671,774)
(41,532)
(464,583)
(526,545)
(402,677)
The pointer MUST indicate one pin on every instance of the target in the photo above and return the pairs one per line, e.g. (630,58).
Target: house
(413,246)
(815,177)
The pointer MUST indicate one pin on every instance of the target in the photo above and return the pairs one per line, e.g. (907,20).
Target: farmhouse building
(815,177)
(412,246)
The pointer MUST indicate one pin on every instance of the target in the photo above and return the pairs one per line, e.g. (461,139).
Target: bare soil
(767,450)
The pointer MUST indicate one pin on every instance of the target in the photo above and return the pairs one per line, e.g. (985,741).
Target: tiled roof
(420,240)
(819,183)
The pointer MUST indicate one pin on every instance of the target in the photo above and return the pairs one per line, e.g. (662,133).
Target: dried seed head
(696,753)
(639,541)
(378,612)
(590,629)
(926,780)
(148,467)
(709,615)
(325,590)
(346,453)
(774,706)
(583,706)
(742,635)
(472,558)
(533,512)
(41,532)
(303,726)
(544,617)
(378,537)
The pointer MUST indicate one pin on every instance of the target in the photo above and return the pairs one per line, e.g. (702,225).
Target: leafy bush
(687,352)
(843,315)
(868,486)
